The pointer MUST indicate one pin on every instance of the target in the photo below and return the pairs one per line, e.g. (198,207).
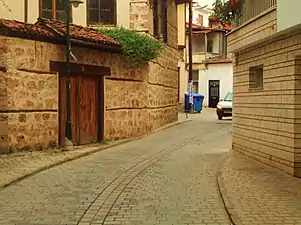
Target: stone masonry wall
(137,101)
(267,122)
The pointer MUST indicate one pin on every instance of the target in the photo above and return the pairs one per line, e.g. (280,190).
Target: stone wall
(137,101)
(267,122)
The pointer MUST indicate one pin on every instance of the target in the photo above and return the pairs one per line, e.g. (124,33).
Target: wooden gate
(213,93)
(85,100)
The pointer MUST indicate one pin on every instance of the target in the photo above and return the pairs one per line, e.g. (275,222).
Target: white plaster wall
(222,72)
(79,15)
(195,16)
(33,11)
(14,10)
(123,13)
(288,14)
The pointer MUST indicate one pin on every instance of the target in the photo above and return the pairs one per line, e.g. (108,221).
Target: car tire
(220,117)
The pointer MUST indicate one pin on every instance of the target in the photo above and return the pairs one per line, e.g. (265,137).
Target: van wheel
(220,117)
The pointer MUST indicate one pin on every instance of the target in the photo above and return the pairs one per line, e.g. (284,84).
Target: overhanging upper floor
(255,20)
(258,20)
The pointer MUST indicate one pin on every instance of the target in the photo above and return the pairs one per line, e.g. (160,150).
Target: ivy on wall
(138,48)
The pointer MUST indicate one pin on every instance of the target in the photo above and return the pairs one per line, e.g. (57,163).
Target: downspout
(225,45)
(25,11)
(206,45)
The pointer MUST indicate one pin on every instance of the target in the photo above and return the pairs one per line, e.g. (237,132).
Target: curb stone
(80,155)
(225,199)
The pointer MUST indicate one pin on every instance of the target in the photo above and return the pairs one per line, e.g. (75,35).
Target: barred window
(102,12)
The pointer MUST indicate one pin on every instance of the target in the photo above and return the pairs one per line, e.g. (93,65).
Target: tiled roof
(28,29)
(77,32)
(56,30)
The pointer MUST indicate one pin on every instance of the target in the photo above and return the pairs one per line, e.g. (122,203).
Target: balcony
(251,9)
(256,21)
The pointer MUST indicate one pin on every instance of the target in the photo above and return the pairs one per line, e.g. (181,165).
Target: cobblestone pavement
(18,165)
(168,177)
(256,194)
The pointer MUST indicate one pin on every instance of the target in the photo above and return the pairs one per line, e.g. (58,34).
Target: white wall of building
(16,10)
(288,14)
(195,16)
(222,72)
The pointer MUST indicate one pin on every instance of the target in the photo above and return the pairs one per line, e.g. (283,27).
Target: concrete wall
(267,122)
(252,32)
(222,72)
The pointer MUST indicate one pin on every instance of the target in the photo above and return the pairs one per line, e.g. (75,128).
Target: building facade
(212,67)
(266,43)
(135,101)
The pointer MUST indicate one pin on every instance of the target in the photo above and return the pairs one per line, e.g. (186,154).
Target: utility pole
(68,131)
(190,55)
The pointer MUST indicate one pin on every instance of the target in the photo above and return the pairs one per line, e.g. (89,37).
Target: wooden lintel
(80,69)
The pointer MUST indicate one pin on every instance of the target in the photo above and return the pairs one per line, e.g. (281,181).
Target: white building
(216,80)
(212,68)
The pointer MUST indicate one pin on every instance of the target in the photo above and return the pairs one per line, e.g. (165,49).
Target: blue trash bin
(198,102)
(186,105)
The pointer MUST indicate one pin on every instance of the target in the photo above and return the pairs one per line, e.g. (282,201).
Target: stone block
(32,133)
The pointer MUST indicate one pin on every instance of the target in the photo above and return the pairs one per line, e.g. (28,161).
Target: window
(102,12)
(53,9)
(256,77)
(160,19)
(209,45)
(200,19)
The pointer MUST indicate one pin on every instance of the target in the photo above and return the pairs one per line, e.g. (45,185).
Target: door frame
(209,93)
(82,70)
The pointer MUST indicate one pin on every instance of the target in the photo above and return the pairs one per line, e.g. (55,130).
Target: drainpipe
(25,11)
(206,46)
(190,55)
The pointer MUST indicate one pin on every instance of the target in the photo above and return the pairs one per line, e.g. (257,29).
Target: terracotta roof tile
(29,29)
(56,30)
(78,32)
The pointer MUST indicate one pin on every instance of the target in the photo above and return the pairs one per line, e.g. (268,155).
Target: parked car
(224,107)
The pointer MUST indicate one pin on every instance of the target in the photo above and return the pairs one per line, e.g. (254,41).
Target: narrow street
(169,177)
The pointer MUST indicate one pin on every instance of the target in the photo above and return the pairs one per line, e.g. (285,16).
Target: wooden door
(213,93)
(88,109)
(63,108)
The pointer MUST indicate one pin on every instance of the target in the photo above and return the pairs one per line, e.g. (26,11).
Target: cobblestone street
(174,176)
(166,178)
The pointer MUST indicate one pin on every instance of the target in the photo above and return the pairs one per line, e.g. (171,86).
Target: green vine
(138,48)
(224,12)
